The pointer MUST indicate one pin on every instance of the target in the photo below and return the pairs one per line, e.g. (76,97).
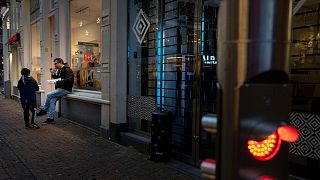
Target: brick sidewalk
(67,151)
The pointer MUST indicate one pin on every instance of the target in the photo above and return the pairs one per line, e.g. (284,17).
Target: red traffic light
(288,133)
(268,148)
(265,149)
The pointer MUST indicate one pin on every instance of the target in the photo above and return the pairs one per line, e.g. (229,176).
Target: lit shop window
(35,51)
(304,59)
(86,44)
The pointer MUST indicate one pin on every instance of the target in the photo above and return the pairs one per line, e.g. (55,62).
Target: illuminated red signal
(266,149)
(288,133)
(265,178)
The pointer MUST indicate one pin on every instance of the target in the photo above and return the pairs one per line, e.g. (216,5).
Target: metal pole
(253,39)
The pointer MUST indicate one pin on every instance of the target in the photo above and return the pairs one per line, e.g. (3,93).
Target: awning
(13,39)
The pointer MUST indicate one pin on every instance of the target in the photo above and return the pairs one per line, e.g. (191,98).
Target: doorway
(172,61)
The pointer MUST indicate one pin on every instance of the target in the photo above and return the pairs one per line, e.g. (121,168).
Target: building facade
(132,57)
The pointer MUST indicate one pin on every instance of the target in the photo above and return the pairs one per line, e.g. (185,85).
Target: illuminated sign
(209,59)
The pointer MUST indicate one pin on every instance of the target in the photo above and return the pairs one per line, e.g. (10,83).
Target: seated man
(63,87)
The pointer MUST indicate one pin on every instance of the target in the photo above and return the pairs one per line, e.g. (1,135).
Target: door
(208,78)
(171,65)
(195,81)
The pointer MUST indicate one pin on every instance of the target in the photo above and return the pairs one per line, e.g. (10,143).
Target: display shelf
(307,12)
(306,69)
(295,55)
(306,26)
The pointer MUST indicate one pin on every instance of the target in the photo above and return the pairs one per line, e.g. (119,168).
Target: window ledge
(87,97)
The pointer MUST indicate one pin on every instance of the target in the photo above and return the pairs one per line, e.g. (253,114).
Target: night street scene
(160,89)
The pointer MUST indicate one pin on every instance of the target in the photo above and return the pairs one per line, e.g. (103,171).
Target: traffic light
(263,134)
(255,93)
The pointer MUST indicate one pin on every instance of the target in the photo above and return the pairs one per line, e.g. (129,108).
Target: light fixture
(87,32)
(98,20)
(80,23)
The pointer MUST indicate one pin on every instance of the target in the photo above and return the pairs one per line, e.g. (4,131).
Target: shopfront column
(5,51)
(105,73)
(64,30)
(25,38)
(45,47)
(118,66)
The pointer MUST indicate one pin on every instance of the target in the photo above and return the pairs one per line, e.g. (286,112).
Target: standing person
(63,87)
(28,86)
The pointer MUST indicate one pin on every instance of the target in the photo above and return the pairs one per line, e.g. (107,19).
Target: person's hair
(58,60)
(25,71)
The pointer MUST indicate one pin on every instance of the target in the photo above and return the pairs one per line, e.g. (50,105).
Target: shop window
(86,44)
(34,10)
(304,58)
(35,51)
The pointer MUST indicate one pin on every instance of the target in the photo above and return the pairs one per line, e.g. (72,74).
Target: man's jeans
(52,99)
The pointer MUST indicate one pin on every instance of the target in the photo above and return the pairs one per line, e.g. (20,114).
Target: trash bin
(161,136)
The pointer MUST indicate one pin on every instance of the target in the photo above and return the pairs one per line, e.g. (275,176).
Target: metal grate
(141,107)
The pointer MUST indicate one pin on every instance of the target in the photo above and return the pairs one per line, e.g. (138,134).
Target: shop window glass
(35,51)
(86,44)
(304,58)
(171,62)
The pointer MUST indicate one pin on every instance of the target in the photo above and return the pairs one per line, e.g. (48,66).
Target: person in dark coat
(28,86)
(64,79)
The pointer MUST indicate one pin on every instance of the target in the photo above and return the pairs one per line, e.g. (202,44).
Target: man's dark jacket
(27,87)
(67,78)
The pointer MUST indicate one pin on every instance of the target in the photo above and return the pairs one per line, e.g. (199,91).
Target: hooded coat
(27,87)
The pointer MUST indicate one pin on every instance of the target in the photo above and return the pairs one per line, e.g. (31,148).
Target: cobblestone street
(67,151)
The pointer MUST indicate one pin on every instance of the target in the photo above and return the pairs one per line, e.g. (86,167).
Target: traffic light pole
(253,50)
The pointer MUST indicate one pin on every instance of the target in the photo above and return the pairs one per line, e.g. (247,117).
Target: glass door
(171,65)
(208,78)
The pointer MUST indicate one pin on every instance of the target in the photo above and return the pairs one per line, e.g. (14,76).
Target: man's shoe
(41,112)
(48,121)
(35,126)
(27,126)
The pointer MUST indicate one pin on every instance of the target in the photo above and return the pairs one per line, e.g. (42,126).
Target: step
(138,141)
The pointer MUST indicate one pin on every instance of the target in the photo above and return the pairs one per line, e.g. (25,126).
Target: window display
(35,51)
(86,43)
(304,59)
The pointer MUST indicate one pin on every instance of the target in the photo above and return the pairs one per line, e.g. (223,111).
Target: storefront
(172,61)
(305,78)
(160,54)
(13,49)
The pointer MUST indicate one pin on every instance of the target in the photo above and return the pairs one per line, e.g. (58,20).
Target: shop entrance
(172,66)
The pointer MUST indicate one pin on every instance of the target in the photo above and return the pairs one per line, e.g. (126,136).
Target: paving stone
(67,151)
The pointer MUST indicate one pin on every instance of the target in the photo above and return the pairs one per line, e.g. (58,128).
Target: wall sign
(141,26)
(209,59)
